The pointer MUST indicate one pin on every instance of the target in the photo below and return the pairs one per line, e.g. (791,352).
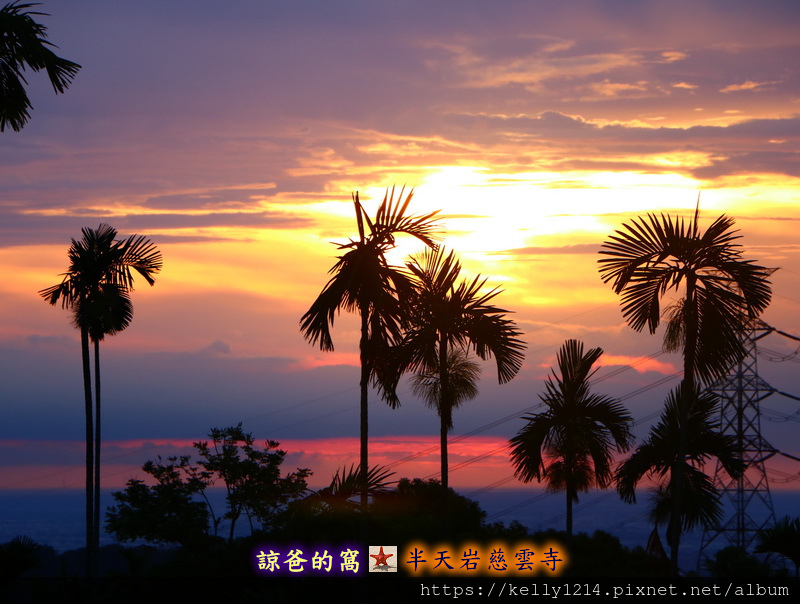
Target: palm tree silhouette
(346,485)
(462,374)
(659,455)
(96,288)
(449,315)
(570,444)
(782,538)
(365,283)
(23,43)
(721,292)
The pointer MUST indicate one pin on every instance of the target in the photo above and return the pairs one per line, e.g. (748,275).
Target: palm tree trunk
(445,407)
(234,518)
(443,445)
(365,371)
(569,514)
(87,391)
(688,392)
(97,445)
(569,463)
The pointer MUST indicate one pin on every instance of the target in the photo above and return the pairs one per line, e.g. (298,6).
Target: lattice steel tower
(748,504)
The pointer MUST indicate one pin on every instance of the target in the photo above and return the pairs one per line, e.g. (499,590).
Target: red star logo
(380,558)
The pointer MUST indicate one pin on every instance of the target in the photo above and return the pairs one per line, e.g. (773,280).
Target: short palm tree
(362,281)
(660,458)
(96,288)
(570,445)
(346,485)
(462,374)
(448,314)
(23,44)
(721,292)
(782,538)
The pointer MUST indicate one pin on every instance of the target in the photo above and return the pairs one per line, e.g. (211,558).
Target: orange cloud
(640,364)
(672,56)
(748,85)
(327,360)
(474,461)
(607,88)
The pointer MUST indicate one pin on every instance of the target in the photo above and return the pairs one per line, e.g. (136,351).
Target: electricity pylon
(748,503)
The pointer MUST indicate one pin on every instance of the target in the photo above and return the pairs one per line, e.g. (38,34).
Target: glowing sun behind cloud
(483,211)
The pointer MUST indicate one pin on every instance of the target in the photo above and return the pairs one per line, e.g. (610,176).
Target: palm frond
(527,447)
(391,219)
(646,460)
(492,335)
(97,283)
(782,538)
(107,311)
(701,505)
(23,43)
(459,312)
(462,375)
(658,456)
(140,254)
(346,485)
(361,279)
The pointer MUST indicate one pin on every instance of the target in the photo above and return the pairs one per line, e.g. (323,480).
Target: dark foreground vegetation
(414,510)
(174,530)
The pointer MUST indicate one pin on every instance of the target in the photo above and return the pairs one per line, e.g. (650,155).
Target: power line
(778,357)
(491,486)
(780,416)
(519,505)
(514,416)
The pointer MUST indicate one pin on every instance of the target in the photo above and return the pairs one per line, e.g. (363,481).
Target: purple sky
(233,135)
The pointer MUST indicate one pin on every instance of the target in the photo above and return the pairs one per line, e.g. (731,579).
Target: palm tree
(782,538)
(721,292)
(23,43)
(365,283)
(461,373)
(449,315)
(570,444)
(346,485)
(96,288)
(660,456)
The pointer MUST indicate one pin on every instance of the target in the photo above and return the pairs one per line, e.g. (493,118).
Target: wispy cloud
(234,137)
(748,85)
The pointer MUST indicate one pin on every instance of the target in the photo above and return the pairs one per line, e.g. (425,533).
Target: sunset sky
(233,134)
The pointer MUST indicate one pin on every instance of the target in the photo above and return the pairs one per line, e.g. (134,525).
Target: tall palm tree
(108,313)
(23,43)
(364,282)
(570,444)
(721,292)
(448,314)
(96,288)
(660,456)
(462,373)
